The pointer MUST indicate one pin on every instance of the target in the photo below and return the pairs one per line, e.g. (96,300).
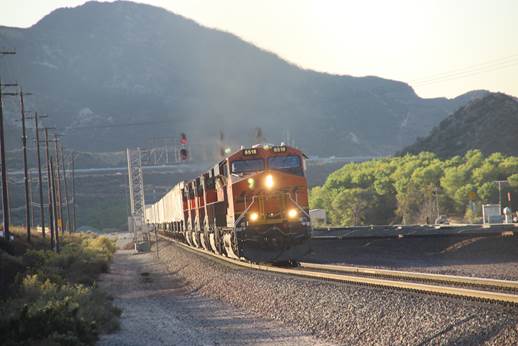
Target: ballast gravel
(491,257)
(158,308)
(344,313)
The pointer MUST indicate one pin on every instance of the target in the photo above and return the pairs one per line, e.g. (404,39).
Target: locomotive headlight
(269,181)
(253,217)
(251,183)
(292,213)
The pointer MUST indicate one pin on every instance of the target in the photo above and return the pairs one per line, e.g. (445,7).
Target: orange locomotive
(252,205)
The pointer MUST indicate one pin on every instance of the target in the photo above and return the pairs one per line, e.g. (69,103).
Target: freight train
(253,205)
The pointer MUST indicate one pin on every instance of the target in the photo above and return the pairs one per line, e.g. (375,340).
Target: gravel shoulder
(194,294)
(491,257)
(159,308)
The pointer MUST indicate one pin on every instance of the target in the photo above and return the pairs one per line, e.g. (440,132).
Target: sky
(440,47)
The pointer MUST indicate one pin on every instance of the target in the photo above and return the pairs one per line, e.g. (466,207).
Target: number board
(251,151)
(279,149)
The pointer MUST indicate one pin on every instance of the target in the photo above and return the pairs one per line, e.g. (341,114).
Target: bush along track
(50,298)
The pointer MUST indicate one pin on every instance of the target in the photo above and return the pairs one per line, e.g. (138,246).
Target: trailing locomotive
(251,205)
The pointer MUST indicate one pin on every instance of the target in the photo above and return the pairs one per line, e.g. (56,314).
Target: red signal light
(183,139)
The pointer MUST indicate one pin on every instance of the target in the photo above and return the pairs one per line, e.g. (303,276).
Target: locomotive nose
(274,244)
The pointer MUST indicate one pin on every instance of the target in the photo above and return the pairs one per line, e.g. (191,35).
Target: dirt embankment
(492,257)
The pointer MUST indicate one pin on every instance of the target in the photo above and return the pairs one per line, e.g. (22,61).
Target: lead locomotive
(253,205)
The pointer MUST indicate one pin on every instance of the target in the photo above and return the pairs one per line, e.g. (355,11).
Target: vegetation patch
(52,298)
(416,188)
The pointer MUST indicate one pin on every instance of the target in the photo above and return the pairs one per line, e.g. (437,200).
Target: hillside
(100,65)
(489,124)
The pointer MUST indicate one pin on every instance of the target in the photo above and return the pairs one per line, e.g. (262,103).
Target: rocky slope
(489,124)
(100,68)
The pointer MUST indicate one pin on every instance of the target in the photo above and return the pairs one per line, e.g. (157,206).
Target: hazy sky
(440,47)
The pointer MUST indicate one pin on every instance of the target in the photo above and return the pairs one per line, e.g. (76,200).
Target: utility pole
(59,211)
(25,169)
(500,182)
(54,204)
(5,192)
(66,187)
(49,185)
(437,201)
(40,180)
(74,191)
(30,201)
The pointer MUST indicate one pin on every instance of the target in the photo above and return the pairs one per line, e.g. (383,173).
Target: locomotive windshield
(244,166)
(290,164)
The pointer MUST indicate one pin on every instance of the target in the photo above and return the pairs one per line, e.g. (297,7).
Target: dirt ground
(159,310)
(492,257)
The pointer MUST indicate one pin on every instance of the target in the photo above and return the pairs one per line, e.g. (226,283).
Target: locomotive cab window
(246,166)
(291,164)
(223,168)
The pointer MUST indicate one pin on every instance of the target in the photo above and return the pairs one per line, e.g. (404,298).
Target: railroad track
(378,277)
(407,275)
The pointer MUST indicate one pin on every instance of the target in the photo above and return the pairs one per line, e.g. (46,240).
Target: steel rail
(405,285)
(467,280)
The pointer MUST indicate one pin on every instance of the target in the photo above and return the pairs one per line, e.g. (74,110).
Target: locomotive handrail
(298,205)
(244,212)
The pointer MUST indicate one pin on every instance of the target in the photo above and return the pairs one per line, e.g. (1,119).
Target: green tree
(453,179)
(350,206)
(513,180)
(473,159)
(401,189)
(461,197)
(487,172)
(316,198)
(509,166)
(408,204)
(488,193)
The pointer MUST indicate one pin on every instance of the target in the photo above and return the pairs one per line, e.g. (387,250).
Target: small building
(318,216)
(491,213)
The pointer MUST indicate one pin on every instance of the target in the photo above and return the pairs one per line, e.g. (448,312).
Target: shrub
(10,266)
(54,300)
(53,313)
(81,260)
(103,245)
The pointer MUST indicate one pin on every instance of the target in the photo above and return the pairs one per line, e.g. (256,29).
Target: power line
(467,73)
(143,123)
(464,75)
(463,69)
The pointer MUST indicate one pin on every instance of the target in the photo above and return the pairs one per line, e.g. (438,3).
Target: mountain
(112,75)
(489,124)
